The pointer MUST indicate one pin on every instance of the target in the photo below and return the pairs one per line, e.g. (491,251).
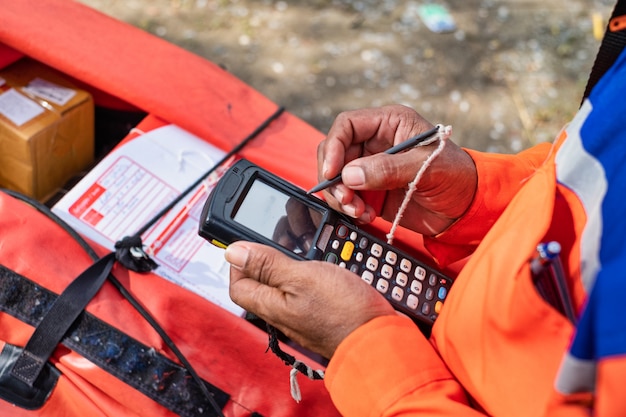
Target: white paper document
(135,182)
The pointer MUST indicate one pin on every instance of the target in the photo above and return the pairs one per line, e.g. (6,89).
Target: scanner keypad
(412,287)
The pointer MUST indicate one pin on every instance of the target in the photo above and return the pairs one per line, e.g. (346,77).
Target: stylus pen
(409,143)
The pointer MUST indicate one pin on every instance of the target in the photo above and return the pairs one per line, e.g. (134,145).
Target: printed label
(50,91)
(18,108)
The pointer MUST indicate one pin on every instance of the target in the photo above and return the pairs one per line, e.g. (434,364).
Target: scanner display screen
(275,215)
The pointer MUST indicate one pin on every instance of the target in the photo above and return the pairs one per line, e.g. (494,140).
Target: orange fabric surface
(610,390)
(494,325)
(500,177)
(414,377)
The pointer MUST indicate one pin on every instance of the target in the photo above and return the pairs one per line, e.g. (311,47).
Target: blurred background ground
(509,75)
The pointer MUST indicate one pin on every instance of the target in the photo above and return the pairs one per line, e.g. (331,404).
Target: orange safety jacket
(498,348)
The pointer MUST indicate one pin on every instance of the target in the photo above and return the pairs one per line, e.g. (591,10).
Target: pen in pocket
(549,278)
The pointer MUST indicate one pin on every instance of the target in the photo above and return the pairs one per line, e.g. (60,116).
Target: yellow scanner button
(346,251)
(218,244)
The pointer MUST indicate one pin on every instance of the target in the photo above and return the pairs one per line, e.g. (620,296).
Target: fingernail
(349,209)
(339,195)
(324,168)
(236,255)
(353,176)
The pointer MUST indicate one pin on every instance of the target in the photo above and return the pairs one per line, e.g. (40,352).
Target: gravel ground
(509,75)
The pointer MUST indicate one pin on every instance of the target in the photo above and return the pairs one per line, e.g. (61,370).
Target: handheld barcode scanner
(252,204)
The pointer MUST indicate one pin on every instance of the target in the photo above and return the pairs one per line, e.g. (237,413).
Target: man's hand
(355,145)
(315,304)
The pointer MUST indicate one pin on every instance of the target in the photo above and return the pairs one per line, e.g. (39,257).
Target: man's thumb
(260,262)
(237,254)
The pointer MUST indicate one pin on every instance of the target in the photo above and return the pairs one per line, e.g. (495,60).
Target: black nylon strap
(60,317)
(139,366)
(612,45)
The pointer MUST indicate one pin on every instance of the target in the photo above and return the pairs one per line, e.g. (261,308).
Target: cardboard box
(46,129)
